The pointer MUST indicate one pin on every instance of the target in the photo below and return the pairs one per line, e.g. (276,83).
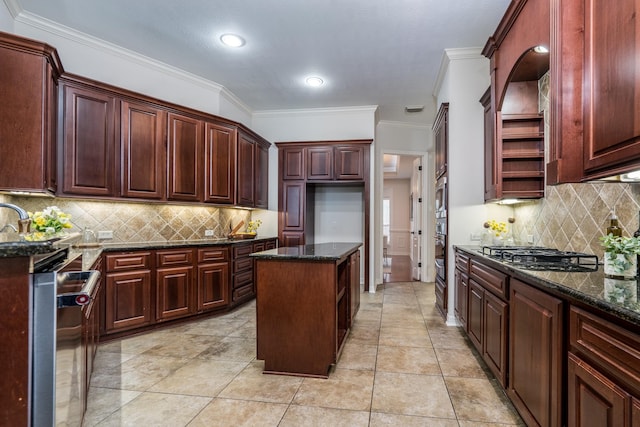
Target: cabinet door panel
(593,399)
(462,297)
(475,318)
(185,158)
(128,300)
(319,163)
(349,162)
(293,163)
(535,358)
(290,238)
(293,198)
(262,176)
(246,168)
(441,137)
(213,286)
(220,164)
(612,92)
(495,336)
(90,147)
(143,151)
(174,292)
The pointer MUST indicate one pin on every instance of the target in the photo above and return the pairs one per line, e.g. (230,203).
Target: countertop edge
(289,253)
(558,289)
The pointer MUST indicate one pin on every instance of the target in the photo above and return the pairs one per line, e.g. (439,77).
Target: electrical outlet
(475,237)
(208,233)
(530,238)
(105,234)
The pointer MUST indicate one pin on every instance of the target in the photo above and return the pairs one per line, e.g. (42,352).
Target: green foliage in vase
(627,246)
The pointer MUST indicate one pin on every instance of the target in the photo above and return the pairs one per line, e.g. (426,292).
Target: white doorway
(401,218)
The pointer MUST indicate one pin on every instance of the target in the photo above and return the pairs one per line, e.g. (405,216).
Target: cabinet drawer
(213,254)
(613,348)
(240,251)
(243,292)
(462,262)
(174,257)
(271,244)
(258,247)
(242,279)
(243,264)
(491,279)
(129,261)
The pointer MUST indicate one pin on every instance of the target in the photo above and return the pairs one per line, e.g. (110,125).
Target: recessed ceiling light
(314,81)
(232,40)
(540,49)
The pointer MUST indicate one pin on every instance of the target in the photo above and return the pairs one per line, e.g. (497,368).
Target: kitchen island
(307,297)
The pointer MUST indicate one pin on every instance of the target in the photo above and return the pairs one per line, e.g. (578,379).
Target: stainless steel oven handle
(83,297)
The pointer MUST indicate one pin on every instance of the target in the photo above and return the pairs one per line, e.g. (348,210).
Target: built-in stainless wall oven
(59,291)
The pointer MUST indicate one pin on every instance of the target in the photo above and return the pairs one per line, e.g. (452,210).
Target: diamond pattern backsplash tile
(573,217)
(138,222)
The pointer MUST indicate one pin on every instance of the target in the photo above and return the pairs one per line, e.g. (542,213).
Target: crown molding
(453,55)
(315,111)
(76,36)
(14,7)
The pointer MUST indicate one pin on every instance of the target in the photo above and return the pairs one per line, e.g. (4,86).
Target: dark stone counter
(18,245)
(619,298)
(316,252)
(170,244)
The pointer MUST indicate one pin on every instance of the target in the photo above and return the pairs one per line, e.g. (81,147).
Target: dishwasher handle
(82,297)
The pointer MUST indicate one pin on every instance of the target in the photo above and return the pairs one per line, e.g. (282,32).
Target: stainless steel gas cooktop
(541,258)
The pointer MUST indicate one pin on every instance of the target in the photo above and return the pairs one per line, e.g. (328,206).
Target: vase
(620,265)
(621,291)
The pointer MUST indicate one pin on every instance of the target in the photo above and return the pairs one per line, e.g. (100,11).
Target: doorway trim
(428,229)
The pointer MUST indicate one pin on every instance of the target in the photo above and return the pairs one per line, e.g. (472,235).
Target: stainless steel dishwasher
(60,290)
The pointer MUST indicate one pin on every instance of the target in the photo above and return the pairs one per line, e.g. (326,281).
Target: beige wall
(575,216)
(137,222)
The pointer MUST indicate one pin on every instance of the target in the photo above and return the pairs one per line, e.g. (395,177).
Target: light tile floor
(400,366)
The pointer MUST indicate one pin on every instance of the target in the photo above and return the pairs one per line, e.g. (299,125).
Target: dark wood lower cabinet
(494,349)
(594,400)
(474,326)
(213,286)
(462,297)
(128,300)
(441,296)
(536,354)
(174,296)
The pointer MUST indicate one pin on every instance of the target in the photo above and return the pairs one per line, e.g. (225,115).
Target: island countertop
(314,252)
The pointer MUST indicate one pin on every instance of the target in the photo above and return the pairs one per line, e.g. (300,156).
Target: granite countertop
(617,297)
(19,245)
(316,252)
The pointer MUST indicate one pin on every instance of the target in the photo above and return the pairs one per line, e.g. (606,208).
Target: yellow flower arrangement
(50,220)
(253,226)
(497,228)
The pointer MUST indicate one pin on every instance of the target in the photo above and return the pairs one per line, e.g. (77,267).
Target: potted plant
(620,255)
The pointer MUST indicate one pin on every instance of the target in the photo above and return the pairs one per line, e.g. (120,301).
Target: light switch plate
(105,234)
(208,233)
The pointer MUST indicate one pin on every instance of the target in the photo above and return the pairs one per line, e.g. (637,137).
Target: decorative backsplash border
(139,222)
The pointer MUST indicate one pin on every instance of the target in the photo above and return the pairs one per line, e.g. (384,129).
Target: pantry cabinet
(143,137)
(29,85)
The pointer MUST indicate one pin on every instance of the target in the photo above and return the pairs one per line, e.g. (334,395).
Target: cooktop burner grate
(541,258)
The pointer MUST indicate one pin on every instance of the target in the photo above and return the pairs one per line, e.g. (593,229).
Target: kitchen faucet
(11,226)
(24,223)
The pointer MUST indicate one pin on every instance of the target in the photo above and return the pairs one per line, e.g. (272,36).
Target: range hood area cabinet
(29,85)
(595,90)
(116,144)
(514,126)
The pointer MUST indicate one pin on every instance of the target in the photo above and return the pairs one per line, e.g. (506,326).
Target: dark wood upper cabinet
(491,181)
(292,207)
(220,163)
(28,131)
(262,175)
(595,110)
(349,162)
(143,140)
(320,163)
(292,161)
(185,153)
(440,134)
(246,169)
(90,146)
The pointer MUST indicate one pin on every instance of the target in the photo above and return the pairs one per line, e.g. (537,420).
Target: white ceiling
(370,52)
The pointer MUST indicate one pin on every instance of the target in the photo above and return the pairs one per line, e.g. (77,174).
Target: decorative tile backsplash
(575,216)
(139,222)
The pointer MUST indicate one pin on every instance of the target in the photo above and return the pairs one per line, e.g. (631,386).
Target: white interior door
(416,219)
